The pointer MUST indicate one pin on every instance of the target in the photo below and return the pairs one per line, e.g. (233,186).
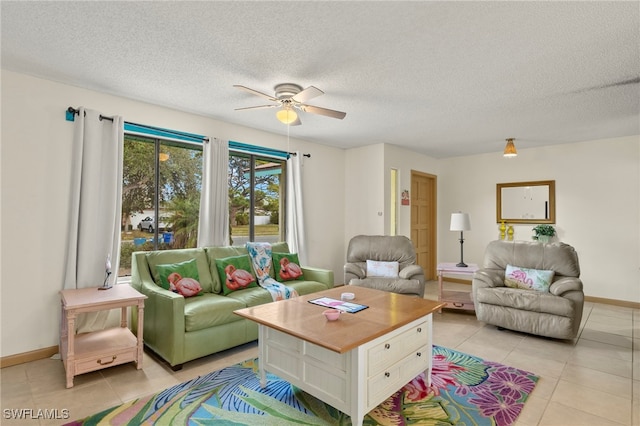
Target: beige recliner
(381,248)
(556,313)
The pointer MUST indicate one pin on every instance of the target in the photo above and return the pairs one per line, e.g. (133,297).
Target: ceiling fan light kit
(289,96)
(287,116)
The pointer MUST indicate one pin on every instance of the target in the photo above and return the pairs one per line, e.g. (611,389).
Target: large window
(161,185)
(256,198)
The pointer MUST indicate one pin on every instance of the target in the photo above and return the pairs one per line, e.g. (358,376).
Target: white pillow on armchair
(382,269)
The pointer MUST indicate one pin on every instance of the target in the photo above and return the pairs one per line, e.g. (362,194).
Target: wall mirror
(526,202)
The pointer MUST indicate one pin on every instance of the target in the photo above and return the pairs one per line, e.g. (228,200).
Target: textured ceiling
(441,78)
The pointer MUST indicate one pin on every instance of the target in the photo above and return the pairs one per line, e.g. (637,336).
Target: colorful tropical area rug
(465,390)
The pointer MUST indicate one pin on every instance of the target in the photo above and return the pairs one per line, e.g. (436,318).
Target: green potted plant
(544,233)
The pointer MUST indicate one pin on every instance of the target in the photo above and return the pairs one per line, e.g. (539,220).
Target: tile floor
(593,380)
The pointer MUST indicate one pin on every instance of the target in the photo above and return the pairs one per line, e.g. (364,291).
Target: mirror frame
(552,201)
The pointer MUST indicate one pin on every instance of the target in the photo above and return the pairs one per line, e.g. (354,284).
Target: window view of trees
(161,197)
(159,210)
(256,186)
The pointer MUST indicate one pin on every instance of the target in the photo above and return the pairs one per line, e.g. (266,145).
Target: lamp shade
(287,115)
(510,149)
(460,222)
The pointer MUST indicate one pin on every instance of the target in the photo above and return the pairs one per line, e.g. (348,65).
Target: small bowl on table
(347,296)
(332,314)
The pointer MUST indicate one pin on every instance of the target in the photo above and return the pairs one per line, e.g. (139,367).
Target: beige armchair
(366,253)
(556,313)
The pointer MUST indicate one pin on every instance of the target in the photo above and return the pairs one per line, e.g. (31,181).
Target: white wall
(364,192)
(36,151)
(405,161)
(597,206)
(367,188)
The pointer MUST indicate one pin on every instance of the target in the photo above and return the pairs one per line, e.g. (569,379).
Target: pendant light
(510,149)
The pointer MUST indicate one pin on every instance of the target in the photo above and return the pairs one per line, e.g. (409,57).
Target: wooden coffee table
(354,363)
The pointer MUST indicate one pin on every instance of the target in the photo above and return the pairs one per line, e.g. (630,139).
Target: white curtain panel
(96,206)
(295,216)
(213,226)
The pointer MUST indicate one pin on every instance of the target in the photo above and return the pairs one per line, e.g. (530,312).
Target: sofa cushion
(395,285)
(525,300)
(252,296)
(259,296)
(227,251)
(210,310)
(541,324)
(280,247)
(528,278)
(214,253)
(235,273)
(287,267)
(306,287)
(163,257)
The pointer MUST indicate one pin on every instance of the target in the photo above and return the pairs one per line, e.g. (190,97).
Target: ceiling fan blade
(257,107)
(255,92)
(323,111)
(308,93)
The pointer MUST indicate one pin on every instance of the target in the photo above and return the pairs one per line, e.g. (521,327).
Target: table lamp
(460,222)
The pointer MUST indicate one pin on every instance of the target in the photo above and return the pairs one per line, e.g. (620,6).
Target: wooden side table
(95,350)
(455,299)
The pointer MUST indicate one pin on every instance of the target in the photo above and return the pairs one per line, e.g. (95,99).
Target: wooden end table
(455,299)
(354,363)
(95,350)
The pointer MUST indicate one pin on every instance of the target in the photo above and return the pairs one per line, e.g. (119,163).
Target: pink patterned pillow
(528,279)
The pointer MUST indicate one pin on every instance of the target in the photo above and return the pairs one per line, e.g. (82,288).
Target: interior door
(423,220)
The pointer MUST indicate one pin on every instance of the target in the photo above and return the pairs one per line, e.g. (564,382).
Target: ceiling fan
(288,97)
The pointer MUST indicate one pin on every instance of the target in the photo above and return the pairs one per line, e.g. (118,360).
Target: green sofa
(180,329)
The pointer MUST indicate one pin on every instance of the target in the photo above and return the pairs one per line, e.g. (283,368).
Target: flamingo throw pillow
(528,279)
(235,273)
(287,267)
(181,278)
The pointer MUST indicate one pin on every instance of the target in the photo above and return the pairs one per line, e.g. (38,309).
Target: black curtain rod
(74,111)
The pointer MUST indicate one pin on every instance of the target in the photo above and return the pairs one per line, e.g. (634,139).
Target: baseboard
(614,302)
(8,361)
